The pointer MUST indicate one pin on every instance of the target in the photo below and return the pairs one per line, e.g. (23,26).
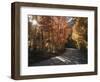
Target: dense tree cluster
(51,33)
(79,32)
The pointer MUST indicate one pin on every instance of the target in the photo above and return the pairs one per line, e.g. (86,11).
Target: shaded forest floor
(70,56)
